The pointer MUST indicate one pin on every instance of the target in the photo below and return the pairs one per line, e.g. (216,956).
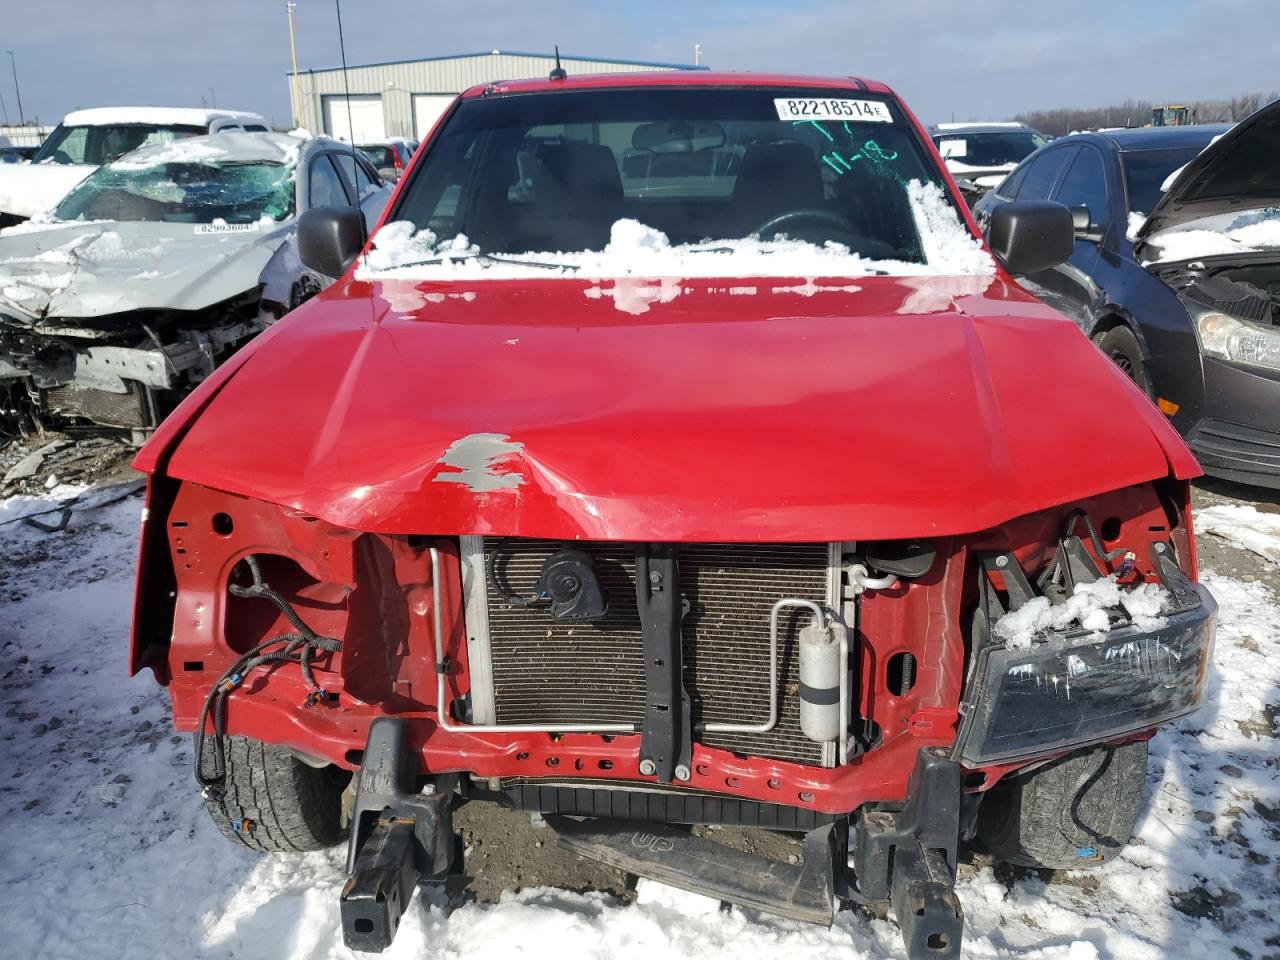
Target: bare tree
(1137,113)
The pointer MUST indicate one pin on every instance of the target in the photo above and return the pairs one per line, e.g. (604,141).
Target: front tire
(1122,349)
(1076,812)
(273,802)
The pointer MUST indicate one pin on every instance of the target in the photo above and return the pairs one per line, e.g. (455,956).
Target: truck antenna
(559,72)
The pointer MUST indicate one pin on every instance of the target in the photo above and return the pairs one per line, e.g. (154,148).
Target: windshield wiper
(488,258)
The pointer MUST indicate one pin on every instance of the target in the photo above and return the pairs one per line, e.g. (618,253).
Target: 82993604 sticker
(832,108)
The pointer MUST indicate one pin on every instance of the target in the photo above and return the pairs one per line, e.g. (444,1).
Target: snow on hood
(637,250)
(30,189)
(101,268)
(1223,234)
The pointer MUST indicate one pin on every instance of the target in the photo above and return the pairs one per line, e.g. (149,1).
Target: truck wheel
(1122,349)
(1075,812)
(272,801)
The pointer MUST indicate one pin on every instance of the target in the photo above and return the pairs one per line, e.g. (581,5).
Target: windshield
(560,171)
(186,192)
(97,145)
(1145,172)
(989,149)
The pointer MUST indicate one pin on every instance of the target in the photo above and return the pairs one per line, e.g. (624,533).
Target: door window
(325,185)
(1085,185)
(1043,174)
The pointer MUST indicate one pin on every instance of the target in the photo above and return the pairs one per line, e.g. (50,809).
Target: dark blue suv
(1175,273)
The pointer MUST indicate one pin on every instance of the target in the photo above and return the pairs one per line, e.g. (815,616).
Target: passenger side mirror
(1028,236)
(1084,228)
(330,239)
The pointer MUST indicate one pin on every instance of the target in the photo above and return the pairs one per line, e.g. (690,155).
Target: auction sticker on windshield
(226,228)
(832,109)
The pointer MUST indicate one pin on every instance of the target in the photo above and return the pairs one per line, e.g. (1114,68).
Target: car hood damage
(783,410)
(82,270)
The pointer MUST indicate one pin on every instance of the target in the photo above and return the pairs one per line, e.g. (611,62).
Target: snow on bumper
(1067,691)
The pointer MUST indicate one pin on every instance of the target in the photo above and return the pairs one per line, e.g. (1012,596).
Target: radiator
(542,670)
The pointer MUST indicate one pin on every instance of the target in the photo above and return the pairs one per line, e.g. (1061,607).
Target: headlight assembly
(1237,341)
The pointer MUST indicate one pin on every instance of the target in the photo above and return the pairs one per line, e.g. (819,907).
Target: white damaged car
(157,267)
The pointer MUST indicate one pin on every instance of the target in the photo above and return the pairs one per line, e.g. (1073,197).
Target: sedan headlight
(1237,341)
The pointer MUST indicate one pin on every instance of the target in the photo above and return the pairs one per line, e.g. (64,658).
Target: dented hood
(76,269)
(670,410)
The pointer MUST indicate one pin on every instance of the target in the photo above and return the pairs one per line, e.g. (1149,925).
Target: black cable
(491,570)
(296,648)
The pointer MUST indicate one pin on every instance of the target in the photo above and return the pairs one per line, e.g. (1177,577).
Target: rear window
(556,171)
(988,149)
(379,156)
(99,144)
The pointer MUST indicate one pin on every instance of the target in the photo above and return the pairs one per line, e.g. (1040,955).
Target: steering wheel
(807,216)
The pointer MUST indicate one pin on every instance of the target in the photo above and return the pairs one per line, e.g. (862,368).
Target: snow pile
(1085,609)
(638,250)
(102,808)
(1221,235)
(1243,525)
(1136,220)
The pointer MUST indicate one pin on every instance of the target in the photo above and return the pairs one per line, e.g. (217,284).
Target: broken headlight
(1069,688)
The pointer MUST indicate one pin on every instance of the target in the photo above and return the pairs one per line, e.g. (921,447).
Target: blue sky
(976,59)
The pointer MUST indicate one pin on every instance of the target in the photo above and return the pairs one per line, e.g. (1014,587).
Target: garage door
(366,118)
(427,108)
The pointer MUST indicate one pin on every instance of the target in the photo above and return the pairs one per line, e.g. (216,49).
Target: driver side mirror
(1028,236)
(389,174)
(330,239)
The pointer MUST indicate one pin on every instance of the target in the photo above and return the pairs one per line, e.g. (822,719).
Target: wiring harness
(299,647)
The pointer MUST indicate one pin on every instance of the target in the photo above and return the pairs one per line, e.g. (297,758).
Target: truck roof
(677,78)
(188,116)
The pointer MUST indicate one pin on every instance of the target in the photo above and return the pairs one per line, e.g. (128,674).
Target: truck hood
(27,189)
(735,410)
(76,269)
(1216,191)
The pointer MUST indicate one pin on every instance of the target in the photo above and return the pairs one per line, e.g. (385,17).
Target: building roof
(510,53)
(588,81)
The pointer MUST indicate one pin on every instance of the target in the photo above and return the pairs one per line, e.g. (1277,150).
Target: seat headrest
(579,176)
(776,177)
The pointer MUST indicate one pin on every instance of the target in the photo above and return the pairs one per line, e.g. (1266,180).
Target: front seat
(775,178)
(576,199)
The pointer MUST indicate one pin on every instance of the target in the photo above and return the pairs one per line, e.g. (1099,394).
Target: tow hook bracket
(399,835)
(909,857)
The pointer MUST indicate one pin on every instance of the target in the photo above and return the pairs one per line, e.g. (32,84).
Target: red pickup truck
(676,453)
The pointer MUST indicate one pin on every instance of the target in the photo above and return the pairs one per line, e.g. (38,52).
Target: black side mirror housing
(1028,236)
(330,239)
(1082,221)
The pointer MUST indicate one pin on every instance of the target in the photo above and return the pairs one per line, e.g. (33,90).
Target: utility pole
(21,119)
(290,6)
(213,98)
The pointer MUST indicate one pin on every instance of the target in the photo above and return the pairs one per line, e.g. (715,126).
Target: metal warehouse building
(403,98)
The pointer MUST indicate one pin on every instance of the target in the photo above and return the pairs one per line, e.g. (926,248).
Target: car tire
(273,802)
(1122,349)
(1076,812)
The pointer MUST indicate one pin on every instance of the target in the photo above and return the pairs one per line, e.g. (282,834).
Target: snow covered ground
(107,851)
